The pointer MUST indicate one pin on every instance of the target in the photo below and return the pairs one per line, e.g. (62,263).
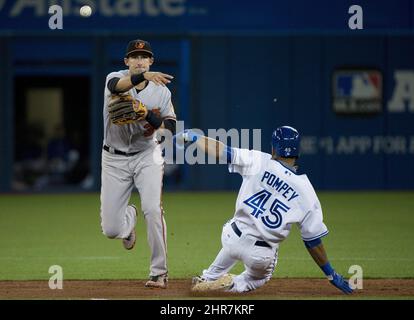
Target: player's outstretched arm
(318,253)
(207,145)
(211,147)
(124,84)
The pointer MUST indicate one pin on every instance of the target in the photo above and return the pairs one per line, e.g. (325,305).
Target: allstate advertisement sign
(124,15)
(106,8)
(202,15)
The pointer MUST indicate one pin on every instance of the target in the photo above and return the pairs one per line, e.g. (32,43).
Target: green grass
(370,229)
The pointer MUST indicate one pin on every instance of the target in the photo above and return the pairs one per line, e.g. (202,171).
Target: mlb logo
(357,91)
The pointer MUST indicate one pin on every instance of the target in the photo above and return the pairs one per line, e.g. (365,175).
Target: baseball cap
(139,46)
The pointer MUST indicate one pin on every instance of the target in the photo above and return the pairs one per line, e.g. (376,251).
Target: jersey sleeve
(167,108)
(312,226)
(244,161)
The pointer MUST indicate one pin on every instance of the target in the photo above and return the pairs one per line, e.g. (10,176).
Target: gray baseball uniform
(144,169)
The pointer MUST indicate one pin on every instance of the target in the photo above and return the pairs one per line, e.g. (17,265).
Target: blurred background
(237,64)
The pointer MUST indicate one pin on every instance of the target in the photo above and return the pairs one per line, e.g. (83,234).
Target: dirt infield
(179,289)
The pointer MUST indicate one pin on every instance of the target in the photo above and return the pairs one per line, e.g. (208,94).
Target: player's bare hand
(158,78)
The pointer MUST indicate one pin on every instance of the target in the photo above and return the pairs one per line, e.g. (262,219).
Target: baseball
(85,11)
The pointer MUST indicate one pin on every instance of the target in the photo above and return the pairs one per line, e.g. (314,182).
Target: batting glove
(181,138)
(190,136)
(338,281)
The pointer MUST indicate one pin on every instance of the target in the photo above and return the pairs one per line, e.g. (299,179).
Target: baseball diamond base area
(41,233)
(180,289)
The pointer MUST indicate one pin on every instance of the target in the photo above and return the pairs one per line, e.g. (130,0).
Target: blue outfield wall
(239,78)
(258,82)
(254,65)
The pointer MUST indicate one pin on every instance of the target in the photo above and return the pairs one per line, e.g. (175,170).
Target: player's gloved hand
(338,281)
(190,135)
(181,138)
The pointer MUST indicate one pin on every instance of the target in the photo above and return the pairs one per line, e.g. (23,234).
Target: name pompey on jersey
(279,185)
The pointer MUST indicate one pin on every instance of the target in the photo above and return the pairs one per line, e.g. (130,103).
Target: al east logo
(106,8)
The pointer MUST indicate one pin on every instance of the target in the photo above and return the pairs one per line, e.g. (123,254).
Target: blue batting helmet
(285,141)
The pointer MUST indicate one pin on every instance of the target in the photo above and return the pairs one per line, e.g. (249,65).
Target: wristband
(153,119)
(229,154)
(137,78)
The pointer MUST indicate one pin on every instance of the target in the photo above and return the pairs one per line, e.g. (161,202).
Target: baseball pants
(259,262)
(119,175)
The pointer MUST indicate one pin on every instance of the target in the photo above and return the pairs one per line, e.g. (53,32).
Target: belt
(258,243)
(114,151)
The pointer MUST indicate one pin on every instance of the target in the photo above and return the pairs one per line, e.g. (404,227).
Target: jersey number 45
(271,219)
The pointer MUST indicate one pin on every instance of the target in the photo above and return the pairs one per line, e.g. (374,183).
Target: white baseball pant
(119,175)
(259,262)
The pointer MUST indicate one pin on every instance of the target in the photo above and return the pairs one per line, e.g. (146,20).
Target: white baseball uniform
(272,197)
(144,170)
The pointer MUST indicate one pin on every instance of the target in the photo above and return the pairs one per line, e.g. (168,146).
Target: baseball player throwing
(137,103)
(272,197)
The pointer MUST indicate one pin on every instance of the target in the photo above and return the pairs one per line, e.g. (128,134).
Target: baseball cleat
(223,283)
(160,281)
(197,280)
(129,242)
